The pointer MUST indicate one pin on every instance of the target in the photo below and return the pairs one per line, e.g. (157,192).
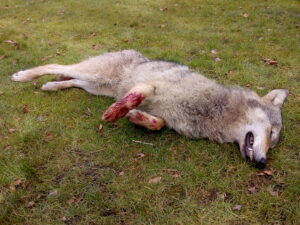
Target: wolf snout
(261,164)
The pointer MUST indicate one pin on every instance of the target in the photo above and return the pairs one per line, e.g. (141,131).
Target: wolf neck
(232,113)
(216,112)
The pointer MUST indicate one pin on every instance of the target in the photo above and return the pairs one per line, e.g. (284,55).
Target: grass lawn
(55,168)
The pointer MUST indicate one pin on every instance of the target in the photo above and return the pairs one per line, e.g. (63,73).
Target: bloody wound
(121,107)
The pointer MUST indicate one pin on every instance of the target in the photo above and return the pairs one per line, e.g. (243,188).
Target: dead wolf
(155,94)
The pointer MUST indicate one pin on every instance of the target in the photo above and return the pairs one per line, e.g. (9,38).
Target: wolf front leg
(130,101)
(144,119)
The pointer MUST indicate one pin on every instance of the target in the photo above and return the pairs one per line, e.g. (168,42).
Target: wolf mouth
(248,147)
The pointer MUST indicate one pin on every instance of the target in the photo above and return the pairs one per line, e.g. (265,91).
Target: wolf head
(262,128)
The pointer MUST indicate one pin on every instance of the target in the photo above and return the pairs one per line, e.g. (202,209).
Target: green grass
(73,175)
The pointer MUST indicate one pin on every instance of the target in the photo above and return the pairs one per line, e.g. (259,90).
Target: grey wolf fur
(177,97)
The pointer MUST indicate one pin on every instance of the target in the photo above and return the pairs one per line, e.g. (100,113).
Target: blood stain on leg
(121,108)
(145,120)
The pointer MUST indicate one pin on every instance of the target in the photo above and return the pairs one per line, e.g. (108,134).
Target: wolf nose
(261,164)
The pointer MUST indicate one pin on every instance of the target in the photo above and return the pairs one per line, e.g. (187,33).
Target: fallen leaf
(212,195)
(128,40)
(214,51)
(174,173)
(164,9)
(270,61)
(48,137)
(121,173)
(73,200)
(44,58)
(13,43)
(41,195)
(245,15)
(11,130)
(100,129)
(63,218)
(229,72)
(163,25)
(269,172)
(252,190)
(265,172)
(80,140)
(30,204)
(154,180)
(237,208)
(25,109)
(217,59)
(96,47)
(58,52)
(140,155)
(17,183)
(6,147)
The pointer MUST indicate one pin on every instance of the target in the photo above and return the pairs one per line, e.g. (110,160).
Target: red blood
(121,108)
(143,120)
(141,117)
(154,121)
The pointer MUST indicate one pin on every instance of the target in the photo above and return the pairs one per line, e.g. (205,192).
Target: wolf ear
(276,96)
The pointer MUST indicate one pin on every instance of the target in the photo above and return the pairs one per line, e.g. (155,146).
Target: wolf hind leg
(104,68)
(90,87)
(74,71)
(130,101)
(144,119)
(30,74)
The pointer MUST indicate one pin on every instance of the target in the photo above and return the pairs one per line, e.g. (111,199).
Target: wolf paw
(50,86)
(144,119)
(20,76)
